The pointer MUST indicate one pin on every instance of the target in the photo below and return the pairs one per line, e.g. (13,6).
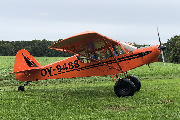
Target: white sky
(123,20)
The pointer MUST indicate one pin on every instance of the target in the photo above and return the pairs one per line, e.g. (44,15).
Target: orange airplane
(95,55)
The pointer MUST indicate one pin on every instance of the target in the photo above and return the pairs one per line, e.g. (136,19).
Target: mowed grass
(92,97)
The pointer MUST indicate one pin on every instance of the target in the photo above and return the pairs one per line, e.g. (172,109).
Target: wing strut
(112,54)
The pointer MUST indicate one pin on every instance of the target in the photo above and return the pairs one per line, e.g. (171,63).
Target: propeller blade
(163,57)
(161,48)
(159,36)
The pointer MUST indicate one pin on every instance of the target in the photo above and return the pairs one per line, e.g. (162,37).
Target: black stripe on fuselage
(130,57)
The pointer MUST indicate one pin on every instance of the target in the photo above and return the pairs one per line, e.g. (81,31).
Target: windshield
(127,46)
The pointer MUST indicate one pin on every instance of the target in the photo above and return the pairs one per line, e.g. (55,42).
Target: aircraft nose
(162,47)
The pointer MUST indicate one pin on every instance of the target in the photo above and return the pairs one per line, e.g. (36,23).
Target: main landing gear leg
(21,88)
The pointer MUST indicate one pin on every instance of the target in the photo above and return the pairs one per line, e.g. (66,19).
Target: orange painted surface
(26,68)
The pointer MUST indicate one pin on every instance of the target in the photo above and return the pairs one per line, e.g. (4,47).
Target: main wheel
(124,87)
(21,88)
(136,82)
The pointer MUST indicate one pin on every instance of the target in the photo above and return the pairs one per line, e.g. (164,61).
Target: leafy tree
(172,51)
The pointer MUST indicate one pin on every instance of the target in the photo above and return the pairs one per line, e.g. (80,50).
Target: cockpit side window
(127,46)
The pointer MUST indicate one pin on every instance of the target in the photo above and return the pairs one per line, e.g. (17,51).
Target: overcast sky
(123,20)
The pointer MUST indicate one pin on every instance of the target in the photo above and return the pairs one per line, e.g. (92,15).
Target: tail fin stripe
(29,62)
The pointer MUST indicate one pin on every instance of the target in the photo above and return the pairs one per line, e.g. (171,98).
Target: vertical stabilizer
(25,61)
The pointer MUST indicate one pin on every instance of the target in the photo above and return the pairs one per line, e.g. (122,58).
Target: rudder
(25,61)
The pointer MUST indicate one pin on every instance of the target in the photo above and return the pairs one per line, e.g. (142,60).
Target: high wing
(84,43)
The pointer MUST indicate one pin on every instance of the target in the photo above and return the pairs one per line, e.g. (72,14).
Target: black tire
(136,82)
(21,88)
(124,87)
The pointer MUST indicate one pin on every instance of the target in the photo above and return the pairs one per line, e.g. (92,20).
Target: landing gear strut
(21,88)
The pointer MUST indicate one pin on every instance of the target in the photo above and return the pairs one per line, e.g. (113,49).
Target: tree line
(40,48)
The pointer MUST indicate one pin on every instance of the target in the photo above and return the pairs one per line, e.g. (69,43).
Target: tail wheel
(124,87)
(21,88)
(136,82)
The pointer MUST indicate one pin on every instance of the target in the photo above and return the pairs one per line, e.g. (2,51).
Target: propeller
(162,57)
(161,48)
(159,36)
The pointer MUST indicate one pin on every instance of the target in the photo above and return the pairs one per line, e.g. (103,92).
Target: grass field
(92,97)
